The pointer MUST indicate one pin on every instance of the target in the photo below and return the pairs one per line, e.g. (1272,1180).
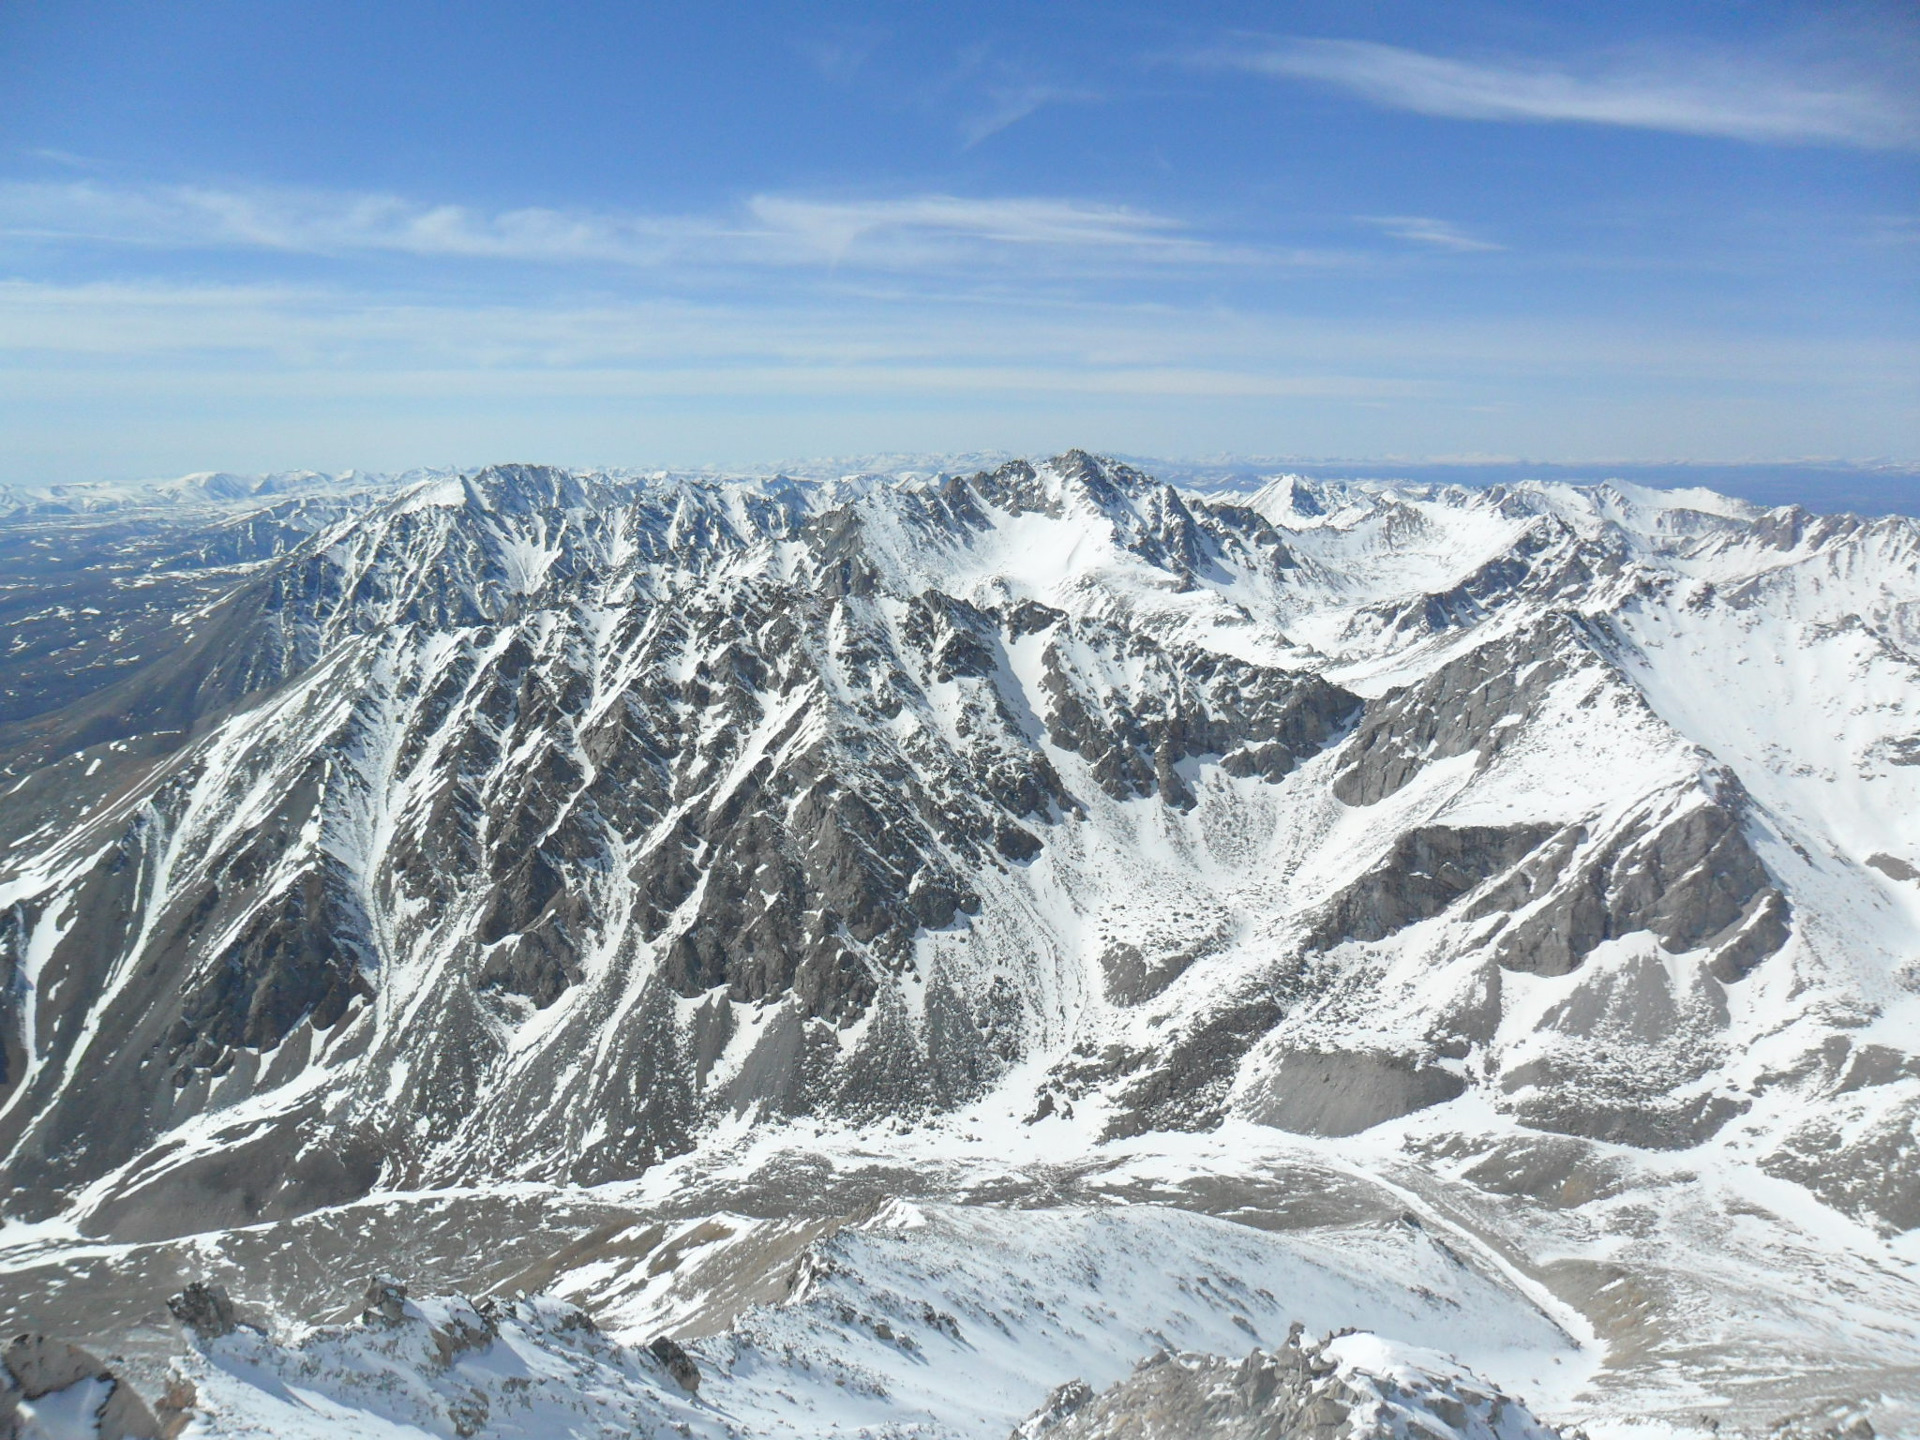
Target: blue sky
(265,235)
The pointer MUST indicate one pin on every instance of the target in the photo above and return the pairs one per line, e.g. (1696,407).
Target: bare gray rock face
(520,831)
(559,810)
(1062,1403)
(1343,1093)
(1861,1162)
(1427,870)
(1460,709)
(1690,876)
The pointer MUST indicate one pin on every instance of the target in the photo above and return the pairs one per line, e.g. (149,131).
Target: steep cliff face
(529,825)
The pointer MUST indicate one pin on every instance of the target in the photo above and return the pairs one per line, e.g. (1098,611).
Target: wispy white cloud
(1739,96)
(987,92)
(63,157)
(318,222)
(1424,230)
(771,230)
(923,227)
(1009,104)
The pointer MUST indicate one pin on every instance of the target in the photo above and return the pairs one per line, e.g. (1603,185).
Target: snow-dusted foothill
(466,876)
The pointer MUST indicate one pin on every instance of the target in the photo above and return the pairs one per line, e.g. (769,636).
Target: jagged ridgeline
(529,824)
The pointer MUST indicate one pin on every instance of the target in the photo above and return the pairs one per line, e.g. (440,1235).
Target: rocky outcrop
(1687,873)
(1468,706)
(1547,566)
(205,1310)
(386,1301)
(1860,1157)
(677,1362)
(535,823)
(1303,1391)
(1425,872)
(1135,711)
(766,791)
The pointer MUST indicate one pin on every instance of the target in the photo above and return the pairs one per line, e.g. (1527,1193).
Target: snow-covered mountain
(1536,866)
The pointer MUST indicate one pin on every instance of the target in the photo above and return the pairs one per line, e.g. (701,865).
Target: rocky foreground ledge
(51,1390)
(534,1366)
(446,1365)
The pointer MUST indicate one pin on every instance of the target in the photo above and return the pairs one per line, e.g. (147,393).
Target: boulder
(678,1363)
(205,1310)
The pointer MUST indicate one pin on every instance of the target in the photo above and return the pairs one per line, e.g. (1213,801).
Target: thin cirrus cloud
(1008,105)
(927,226)
(313,222)
(1744,98)
(1424,230)
(927,231)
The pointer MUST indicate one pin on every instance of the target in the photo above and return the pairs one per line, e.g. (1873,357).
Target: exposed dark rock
(252,1175)
(1557,1170)
(297,959)
(698,768)
(204,1309)
(1183,1084)
(1257,721)
(1132,975)
(1621,1108)
(678,1363)
(1893,867)
(174,1410)
(1863,1161)
(1467,706)
(1689,875)
(1546,566)
(1030,617)
(1426,871)
(1872,1065)
(386,1301)
(1062,1402)
(466,1327)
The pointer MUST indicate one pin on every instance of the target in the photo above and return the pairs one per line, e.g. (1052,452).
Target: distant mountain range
(1823,486)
